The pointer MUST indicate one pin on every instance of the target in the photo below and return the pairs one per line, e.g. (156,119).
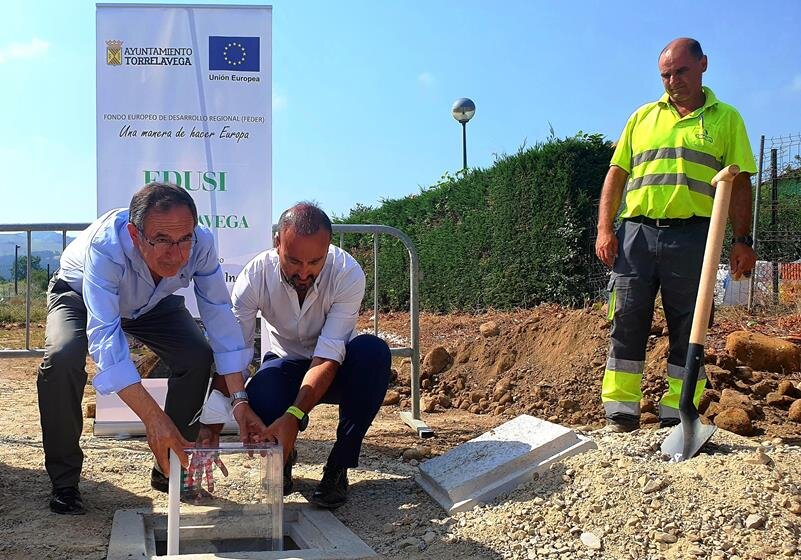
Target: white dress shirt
(103,265)
(325,323)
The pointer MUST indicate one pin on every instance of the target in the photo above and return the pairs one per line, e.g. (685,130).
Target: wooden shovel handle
(714,242)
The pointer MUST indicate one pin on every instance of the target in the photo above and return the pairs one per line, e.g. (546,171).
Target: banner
(184,96)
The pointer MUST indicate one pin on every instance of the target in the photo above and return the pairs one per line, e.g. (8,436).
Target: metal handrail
(412,418)
(29,352)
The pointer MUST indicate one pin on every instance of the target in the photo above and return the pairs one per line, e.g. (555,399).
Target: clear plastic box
(215,513)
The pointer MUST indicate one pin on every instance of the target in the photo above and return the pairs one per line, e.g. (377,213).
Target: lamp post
(14,269)
(463,110)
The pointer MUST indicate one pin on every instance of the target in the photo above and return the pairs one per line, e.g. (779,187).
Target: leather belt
(668,222)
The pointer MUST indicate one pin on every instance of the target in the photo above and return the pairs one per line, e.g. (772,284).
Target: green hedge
(514,235)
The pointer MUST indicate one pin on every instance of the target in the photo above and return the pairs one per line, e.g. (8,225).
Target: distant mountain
(40,241)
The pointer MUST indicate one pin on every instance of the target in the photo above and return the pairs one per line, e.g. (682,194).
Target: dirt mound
(549,362)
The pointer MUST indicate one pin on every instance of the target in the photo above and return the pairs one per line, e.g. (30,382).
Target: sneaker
(160,482)
(289,484)
(618,427)
(67,501)
(332,491)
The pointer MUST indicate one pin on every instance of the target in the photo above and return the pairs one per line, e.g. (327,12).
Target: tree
(22,266)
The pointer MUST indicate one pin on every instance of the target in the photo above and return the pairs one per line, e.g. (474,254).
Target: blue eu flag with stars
(240,54)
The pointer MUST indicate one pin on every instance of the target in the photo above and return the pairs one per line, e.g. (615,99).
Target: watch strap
(296,412)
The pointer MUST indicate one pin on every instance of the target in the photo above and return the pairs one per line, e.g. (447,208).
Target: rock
(754,521)
(793,507)
(713,410)
(719,377)
(705,401)
(568,404)
(647,418)
(763,352)
(779,400)
(787,388)
(437,360)
(417,453)
(745,373)
(730,398)
(734,420)
(429,537)
(428,404)
(445,401)
(474,408)
(504,363)
(665,538)
(654,486)
(759,458)
(591,541)
(391,398)
(764,387)
(501,388)
(647,405)
(89,410)
(505,399)
(388,528)
(407,542)
(490,328)
(726,361)
(795,411)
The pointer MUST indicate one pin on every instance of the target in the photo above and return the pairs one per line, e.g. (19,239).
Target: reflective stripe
(630,408)
(689,154)
(671,179)
(671,398)
(621,386)
(610,314)
(678,372)
(626,366)
(668,412)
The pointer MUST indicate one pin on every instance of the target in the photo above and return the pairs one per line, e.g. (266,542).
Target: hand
(284,431)
(203,460)
(162,435)
(606,247)
(741,260)
(251,428)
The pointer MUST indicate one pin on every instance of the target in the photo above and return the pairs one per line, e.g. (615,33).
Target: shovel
(687,438)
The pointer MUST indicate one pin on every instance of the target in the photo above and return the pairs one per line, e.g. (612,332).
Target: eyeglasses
(163,244)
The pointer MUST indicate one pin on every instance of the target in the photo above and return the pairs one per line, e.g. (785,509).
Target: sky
(362,90)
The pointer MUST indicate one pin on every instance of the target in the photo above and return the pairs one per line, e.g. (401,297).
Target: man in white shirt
(309,292)
(118,276)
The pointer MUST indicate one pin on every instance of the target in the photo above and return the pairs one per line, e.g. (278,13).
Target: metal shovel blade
(686,440)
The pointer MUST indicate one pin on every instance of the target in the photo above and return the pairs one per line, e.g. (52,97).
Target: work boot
(619,426)
(289,484)
(332,491)
(668,422)
(67,501)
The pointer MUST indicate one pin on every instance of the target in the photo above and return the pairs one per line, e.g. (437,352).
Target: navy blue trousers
(359,388)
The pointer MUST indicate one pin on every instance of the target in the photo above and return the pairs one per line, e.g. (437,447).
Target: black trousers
(168,330)
(359,388)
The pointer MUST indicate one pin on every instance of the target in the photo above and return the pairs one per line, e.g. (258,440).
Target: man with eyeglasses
(118,277)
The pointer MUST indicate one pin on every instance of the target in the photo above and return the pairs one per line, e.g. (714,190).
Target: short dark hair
(161,197)
(305,218)
(693,46)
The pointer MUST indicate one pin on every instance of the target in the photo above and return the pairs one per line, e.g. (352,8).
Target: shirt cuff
(330,349)
(234,361)
(116,378)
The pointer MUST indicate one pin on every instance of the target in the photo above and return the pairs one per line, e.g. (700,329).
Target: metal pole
(756,218)
(464,146)
(63,239)
(14,268)
(341,240)
(774,200)
(28,297)
(375,284)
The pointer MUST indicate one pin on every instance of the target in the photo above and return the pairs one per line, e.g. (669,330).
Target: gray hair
(160,197)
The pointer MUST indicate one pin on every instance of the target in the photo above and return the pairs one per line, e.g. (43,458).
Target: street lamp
(463,110)
(14,269)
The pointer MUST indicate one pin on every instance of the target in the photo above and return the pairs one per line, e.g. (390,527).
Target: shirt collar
(710,100)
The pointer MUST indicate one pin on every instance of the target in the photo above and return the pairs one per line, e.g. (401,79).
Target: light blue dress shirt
(104,266)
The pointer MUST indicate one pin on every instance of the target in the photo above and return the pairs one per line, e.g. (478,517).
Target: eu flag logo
(240,54)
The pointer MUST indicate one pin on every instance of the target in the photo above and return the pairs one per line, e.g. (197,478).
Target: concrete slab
(114,419)
(318,535)
(498,461)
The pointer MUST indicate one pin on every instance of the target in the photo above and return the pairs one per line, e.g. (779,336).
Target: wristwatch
(239,396)
(302,417)
(744,239)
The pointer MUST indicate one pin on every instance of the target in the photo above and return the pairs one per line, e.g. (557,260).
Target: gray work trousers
(168,330)
(651,259)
